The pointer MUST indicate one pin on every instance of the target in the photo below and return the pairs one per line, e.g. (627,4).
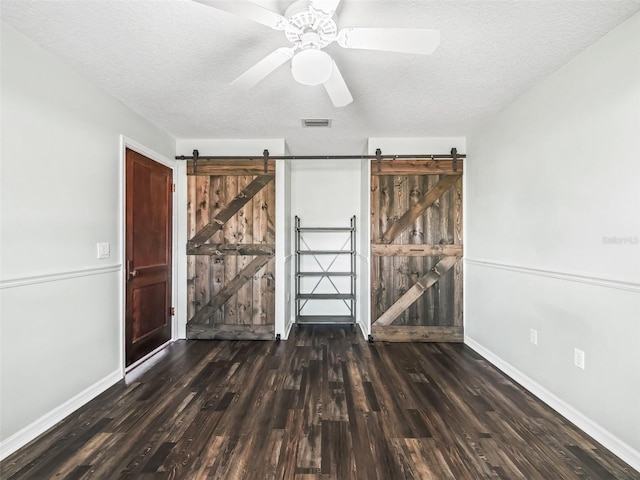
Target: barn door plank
(415,292)
(233,167)
(415,250)
(217,201)
(375,262)
(419,207)
(416,237)
(231,249)
(232,208)
(202,264)
(230,235)
(457,239)
(244,232)
(230,289)
(402,282)
(415,167)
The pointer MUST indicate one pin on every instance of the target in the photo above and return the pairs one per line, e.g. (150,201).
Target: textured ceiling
(172,61)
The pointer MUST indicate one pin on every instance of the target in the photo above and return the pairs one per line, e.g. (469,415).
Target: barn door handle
(131,272)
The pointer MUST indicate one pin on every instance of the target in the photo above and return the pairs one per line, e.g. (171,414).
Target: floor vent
(316,122)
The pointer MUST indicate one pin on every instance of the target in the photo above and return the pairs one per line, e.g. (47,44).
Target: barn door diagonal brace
(417,209)
(230,210)
(416,291)
(230,289)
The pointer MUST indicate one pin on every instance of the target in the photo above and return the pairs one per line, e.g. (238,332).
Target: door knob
(131,272)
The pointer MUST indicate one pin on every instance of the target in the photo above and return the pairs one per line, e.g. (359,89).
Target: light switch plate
(578,358)
(104,251)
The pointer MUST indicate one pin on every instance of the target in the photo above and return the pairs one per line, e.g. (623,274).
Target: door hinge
(172,311)
(173,187)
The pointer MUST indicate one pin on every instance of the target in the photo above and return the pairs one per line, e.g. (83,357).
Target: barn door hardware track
(378,157)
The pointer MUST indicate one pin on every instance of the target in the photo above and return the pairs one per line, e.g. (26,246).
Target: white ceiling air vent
(316,122)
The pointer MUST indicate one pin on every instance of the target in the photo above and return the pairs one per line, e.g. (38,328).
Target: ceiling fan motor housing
(307,28)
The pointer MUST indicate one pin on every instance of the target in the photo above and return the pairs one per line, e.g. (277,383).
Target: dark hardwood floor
(324,404)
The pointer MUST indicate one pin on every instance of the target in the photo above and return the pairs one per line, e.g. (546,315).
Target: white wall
(364,253)
(286,306)
(244,147)
(61,317)
(416,145)
(326,193)
(550,181)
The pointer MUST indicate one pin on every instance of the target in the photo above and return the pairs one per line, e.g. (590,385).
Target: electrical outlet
(104,251)
(533,336)
(578,358)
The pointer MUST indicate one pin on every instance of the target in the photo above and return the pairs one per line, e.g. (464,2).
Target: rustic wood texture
(245,238)
(209,168)
(416,220)
(417,208)
(414,250)
(232,249)
(415,292)
(323,405)
(230,288)
(235,206)
(416,333)
(416,167)
(218,331)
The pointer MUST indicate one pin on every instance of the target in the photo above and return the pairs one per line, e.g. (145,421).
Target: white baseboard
(148,356)
(41,425)
(365,332)
(289,327)
(601,435)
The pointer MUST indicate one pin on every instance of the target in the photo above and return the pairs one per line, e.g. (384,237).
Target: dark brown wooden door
(148,261)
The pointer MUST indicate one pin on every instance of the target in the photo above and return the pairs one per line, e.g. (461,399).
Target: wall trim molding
(48,420)
(571,277)
(58,276)
(600,434)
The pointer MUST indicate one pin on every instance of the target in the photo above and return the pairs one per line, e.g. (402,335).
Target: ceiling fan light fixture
(311,67)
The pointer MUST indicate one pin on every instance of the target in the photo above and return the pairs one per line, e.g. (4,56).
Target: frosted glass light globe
(311,67)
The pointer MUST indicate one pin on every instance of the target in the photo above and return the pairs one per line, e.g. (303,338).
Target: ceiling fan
(310,26)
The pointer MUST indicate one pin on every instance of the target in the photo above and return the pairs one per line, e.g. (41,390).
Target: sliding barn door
(230,270)
(416,233)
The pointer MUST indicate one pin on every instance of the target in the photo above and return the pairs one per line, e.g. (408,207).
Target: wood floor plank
(324,404)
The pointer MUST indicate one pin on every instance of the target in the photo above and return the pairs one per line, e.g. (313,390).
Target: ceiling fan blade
(326,7)
(250,11)
(263,68)
(403,40)
(337,88)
